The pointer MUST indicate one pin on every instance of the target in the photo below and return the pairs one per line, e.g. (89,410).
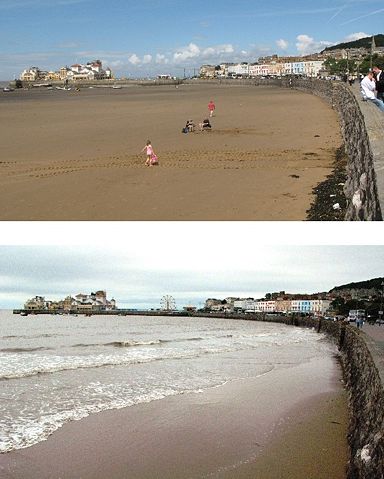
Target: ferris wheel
(167,303)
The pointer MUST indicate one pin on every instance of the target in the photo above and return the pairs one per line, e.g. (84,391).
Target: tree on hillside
(365,65)
(340,67)
(342,307)
(368,284)
(365,42)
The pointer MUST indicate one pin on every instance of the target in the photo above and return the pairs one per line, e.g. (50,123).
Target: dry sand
(76,155)
(290,423)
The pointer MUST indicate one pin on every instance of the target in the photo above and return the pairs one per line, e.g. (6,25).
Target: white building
(91,71)
(239,305)
(96,301)
(298,68)
(286,69)
(30,74)
(38,302)
(238,70)
(312,69)
(266,306)
(320,306)
(265,69)
(207,71)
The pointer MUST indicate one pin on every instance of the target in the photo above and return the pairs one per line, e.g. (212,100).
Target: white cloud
(147,59)
(134,59)
(194,52)
(355,36)
(161,59)
(218,50)
(282,44)
(137,61)
(186,53)
(306,44)
(209,51)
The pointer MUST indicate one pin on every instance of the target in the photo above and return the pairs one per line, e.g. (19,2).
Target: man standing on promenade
(359,323)
(368,88)
(379,77)
(211,108)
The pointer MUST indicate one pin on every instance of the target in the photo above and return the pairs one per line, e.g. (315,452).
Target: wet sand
(76,155)
(290,423)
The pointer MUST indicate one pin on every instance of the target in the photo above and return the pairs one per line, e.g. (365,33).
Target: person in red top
(211,108)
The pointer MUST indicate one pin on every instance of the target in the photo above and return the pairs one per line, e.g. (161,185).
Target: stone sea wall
(361,126)
(363,370)
(362,129)
(363,367)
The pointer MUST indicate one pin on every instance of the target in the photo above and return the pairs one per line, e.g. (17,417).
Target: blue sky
(147,37)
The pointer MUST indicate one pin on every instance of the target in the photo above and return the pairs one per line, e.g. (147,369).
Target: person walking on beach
(149,152)
(379,77)
(368,89)
(211,108)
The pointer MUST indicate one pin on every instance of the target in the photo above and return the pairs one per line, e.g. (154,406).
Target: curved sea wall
(363,367)
(361,127)
(364,375)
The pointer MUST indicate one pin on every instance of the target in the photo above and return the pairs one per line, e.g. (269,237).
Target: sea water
(55,369)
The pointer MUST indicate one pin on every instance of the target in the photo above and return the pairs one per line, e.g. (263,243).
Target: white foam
(13,366)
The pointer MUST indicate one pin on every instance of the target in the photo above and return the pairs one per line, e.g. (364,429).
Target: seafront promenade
(376,333)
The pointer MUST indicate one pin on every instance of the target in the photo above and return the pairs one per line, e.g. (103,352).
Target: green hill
(369,284)
(362,43)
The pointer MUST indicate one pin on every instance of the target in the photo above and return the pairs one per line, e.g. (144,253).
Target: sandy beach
(290,423)
(76,155)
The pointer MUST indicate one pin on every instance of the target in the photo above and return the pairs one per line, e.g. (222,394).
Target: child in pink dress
(149,152)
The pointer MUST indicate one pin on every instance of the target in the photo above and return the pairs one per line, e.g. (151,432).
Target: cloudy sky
(140,263)
(146,37)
